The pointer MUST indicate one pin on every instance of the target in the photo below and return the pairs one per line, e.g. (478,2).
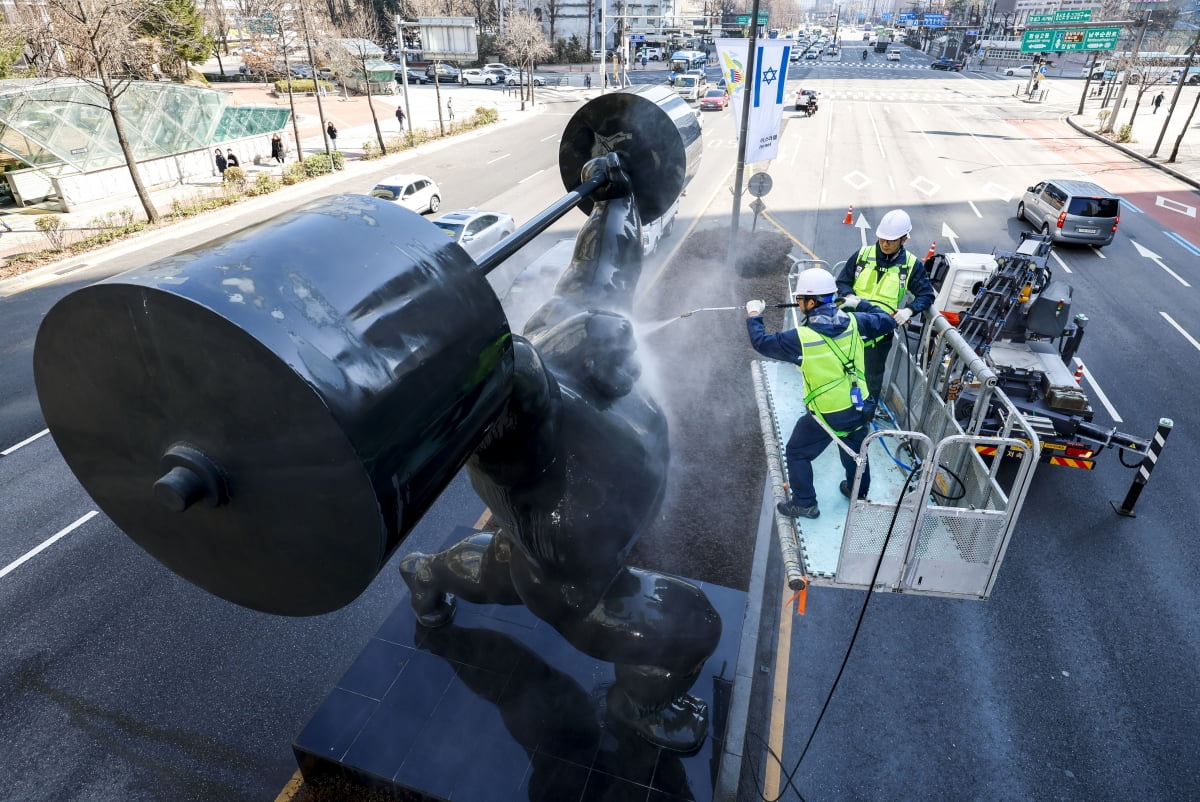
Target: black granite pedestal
(496,707)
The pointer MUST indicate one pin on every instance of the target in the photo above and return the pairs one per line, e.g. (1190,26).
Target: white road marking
(1003,193)
(974,208)
(924,186)
(857,179)
(528,177)
(875,129)
(1175,206)
(548,138)
(1061,263)
(1087,374)
(24,442)
(498,158)
(15,564)
(1180,329)
(1096,251)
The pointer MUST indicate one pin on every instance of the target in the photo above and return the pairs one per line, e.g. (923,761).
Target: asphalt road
(1078,680)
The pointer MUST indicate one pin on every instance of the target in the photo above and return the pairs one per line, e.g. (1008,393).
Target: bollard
(1079,373)
(1143,475)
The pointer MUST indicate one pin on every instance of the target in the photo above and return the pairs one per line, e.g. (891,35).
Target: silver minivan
(1072,211)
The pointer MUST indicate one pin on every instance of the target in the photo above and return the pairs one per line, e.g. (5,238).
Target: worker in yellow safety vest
(829,348)
(890,277)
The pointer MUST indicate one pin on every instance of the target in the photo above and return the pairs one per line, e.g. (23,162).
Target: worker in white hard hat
(889,277)
(829,348)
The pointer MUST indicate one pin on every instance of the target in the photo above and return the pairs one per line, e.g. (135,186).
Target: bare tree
(100,48)
(359,51)
(524,43)
(551,10)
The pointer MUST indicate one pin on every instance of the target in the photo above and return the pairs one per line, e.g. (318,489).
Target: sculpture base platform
(497,706)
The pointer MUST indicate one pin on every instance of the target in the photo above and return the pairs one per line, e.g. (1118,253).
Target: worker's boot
(794,510)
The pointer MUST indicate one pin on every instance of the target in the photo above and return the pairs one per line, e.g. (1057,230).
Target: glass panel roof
(44,122)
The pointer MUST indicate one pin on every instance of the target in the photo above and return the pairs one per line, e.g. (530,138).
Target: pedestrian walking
(331,130)
(221,162)
(450,109)
(1158,101)
(400,118)
(587,81)
(277,148)
(231,160)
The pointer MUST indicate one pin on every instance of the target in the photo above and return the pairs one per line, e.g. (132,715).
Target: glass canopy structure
(63,123)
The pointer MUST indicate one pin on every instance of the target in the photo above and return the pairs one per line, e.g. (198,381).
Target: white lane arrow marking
(862,225)
(949,234)
(1154,257)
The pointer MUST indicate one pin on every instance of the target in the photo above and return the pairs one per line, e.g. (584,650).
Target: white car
(476,230)
(417,192)
(1024,70)
(496,65)
(524,79)
(893,55)
(485,77)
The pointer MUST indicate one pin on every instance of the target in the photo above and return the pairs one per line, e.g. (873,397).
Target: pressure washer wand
(731,308)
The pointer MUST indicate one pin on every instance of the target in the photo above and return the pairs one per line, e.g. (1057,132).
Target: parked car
(945,64)
(504,68)
(524,79)
(1024,70)
(714,99)
(476,230)
(414,76)
(444,72)
(1072,211)
(485,77)
(417,192)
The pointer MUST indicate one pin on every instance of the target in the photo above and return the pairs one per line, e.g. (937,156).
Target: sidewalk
(1148,128)
(351,115)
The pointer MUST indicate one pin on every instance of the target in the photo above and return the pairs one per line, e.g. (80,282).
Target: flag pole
(747,90)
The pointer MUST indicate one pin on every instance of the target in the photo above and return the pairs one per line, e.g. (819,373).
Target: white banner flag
(765,90)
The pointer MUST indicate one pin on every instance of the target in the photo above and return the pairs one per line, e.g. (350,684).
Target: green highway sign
(1078,15)
(1057,39)
(744,19)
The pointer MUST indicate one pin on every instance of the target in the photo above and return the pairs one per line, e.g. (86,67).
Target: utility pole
(747,89)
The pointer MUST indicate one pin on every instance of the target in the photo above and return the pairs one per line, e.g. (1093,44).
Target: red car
(715,99)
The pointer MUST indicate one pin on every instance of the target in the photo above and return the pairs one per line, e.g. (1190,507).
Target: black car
(946,64)
(445,73)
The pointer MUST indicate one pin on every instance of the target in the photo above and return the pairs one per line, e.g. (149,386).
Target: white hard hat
(894,225)
(815,281)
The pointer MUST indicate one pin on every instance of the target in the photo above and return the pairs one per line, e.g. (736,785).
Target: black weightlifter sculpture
(574,471)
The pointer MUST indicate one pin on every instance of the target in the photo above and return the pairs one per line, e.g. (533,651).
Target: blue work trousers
(875,359)
(807,442)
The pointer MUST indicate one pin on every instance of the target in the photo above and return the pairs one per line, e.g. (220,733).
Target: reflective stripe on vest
(831,365)
(887,290)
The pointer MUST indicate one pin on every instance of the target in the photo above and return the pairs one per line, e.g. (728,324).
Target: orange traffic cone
(931,252)
(849,216)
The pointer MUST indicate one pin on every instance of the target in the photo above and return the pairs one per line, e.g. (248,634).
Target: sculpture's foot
(680,725)
(432,608)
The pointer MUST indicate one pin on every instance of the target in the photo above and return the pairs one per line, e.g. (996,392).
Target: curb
(1187,179)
